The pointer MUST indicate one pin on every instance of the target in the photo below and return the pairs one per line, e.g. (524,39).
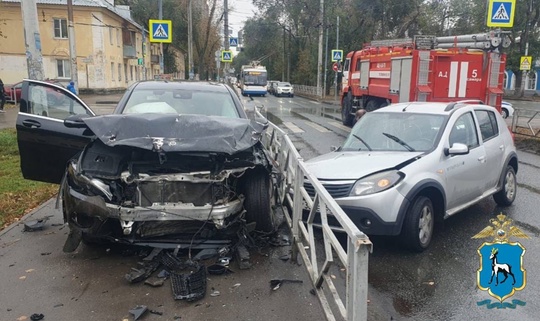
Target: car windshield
(181,101)
(382,131)
(284,84)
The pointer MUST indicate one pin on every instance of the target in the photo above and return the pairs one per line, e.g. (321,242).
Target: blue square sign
(160,31)
(501,13)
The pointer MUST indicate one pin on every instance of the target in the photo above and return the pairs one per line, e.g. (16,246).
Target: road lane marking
(292,127)
(318,127)
(340,126)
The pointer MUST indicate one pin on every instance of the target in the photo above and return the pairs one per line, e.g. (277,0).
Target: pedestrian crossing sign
(337,55)
(160,31)
(233,42)
(525,63)
(226,56)
(501,13)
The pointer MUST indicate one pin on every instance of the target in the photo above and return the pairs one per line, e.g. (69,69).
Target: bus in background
(253,80)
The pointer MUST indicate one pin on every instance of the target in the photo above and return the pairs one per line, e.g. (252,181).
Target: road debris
(190,286)
(37,317)
(35,225)
(138,311)
(156,312)
(155,282)
(215,293)
(276,283)
(242,255)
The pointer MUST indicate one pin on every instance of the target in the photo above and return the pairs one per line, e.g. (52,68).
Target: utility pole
(319,59)
(339,62)
(72,50)
(526,39)
(325,61)
(160,17)
(226,36)
(32,39)
(190,42)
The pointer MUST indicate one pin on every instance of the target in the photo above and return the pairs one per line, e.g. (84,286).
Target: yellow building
(109,44)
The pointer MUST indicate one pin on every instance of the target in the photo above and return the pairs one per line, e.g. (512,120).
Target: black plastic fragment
(138,311)
(156,312)
(189,286)
(172,263)
(35,225)
(138,275)
(242,255)
(37,317)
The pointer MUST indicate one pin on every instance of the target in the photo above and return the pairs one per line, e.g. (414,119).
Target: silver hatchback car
(407,165)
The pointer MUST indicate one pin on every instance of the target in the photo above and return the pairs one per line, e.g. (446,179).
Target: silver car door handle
(482,159)
(501,147)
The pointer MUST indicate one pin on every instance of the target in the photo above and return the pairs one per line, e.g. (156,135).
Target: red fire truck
(425,68)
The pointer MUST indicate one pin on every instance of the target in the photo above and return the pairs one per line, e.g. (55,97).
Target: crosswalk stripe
(317,127)
(292,127)
(341,126)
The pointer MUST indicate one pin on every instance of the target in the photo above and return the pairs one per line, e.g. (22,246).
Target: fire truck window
(357,65)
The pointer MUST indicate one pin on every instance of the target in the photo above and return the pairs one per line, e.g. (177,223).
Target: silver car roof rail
(453,104)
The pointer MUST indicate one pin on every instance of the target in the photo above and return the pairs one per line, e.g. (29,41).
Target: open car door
(45,143)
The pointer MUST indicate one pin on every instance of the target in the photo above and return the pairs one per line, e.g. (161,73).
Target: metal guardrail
(12,97)
(528,119)
(308,90)
(293,173)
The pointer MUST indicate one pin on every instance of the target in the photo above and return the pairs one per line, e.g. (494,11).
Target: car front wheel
(419,224)
(507,195)
(258,201)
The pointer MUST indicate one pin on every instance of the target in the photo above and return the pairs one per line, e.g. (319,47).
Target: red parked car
(13,92)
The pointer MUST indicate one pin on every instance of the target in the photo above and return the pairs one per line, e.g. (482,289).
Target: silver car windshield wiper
(399,141)
(363,142)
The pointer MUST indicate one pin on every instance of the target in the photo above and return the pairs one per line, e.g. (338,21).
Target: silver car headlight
(376,183)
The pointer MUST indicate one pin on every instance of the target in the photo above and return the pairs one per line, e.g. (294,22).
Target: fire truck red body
(379,75)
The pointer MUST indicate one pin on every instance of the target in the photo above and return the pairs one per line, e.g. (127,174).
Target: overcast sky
(239,12)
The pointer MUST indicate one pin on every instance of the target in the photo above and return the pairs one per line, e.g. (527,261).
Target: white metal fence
(526,122)
(292,175)
(308,90)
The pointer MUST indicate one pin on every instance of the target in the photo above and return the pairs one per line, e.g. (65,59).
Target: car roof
(439,108)
(188,85)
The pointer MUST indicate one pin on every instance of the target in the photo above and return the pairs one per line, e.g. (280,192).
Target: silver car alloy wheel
(425,224)
(510,185)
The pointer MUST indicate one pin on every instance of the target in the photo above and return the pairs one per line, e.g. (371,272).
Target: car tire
(346,117)
(419,224)
(507,194)
(258,191)
(372,105)
(504,113)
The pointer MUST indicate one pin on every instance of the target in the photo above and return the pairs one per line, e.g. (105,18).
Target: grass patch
(18,196)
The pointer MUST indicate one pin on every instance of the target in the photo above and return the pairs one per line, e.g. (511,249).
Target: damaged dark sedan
(175,159)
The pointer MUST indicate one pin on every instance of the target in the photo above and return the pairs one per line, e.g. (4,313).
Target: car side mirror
(457,149)
(75,121)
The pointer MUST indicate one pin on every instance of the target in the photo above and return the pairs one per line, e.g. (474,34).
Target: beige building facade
(113,51)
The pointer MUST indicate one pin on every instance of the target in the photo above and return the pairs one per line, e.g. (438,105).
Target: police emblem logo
(501,272)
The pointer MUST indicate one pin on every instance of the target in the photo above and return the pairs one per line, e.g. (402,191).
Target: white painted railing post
(357,278)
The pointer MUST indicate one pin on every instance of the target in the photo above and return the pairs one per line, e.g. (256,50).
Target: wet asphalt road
(440,283)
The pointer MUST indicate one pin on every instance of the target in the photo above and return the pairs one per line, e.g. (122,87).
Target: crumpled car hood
(354,165)
(177,133)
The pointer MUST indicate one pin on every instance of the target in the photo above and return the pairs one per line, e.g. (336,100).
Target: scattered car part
(155,282)
(138,275)
(242,254)
(156,312)
(276,283)
(37,317)
(164,274)
(205,254)
(189,286)
(217,269)
(155,252)
(35,225)
(138,311)
(172,263)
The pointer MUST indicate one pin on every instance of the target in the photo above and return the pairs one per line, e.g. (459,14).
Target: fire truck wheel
(372,105)
(346,117)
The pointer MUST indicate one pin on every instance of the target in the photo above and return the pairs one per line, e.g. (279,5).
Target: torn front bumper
(95,206)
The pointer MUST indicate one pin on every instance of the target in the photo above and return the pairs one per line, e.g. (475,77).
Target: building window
(126,72)
(60,28)
(118,37)
(119,72)
(531,80)
(112,71)
(63,68)
(131,70)
(111,35)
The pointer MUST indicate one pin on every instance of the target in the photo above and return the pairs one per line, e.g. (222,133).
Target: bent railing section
(526,122)
(320,257)
(308,90)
